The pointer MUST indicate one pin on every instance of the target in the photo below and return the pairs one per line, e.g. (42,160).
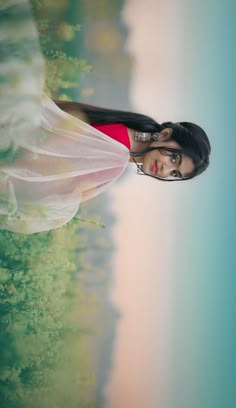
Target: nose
(166,168)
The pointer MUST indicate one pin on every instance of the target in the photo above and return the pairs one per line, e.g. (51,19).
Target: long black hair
(192,139)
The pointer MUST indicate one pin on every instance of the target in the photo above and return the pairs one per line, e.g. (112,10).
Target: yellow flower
(37,209)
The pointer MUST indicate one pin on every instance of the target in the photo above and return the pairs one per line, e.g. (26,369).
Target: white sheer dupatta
(50,161)
(63,162)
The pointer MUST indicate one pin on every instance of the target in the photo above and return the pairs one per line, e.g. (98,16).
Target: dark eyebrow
(180,161)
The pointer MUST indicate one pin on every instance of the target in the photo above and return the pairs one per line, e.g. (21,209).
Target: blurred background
(174,262)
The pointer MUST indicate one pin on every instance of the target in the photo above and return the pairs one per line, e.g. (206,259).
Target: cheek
(152,156)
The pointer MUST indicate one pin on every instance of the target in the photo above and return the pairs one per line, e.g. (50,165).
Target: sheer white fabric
(54,160)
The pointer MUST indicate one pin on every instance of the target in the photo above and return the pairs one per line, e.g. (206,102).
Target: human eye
(174,157)
(174,174)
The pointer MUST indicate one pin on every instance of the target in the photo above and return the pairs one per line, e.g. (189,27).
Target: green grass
(41,311)
(47,340)
(61,40)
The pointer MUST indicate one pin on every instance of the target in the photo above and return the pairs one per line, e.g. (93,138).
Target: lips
(154,168)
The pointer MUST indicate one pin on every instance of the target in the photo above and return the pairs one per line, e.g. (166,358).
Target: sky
(175,242)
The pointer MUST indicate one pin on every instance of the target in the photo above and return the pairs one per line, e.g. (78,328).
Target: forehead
(187,166)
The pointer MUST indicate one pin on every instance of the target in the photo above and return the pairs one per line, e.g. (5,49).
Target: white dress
(50,161)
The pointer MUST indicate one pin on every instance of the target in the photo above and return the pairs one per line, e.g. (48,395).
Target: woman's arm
(72,109)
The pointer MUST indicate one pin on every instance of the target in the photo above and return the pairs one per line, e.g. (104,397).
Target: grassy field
(50,325)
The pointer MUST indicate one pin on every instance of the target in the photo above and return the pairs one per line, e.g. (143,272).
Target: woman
(50,159)
(169,152)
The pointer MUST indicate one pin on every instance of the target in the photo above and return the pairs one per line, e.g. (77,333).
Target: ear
(166,134)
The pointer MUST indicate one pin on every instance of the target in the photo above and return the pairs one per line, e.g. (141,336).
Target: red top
(116,131)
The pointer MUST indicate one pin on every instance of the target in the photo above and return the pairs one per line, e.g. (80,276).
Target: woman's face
(171,166)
